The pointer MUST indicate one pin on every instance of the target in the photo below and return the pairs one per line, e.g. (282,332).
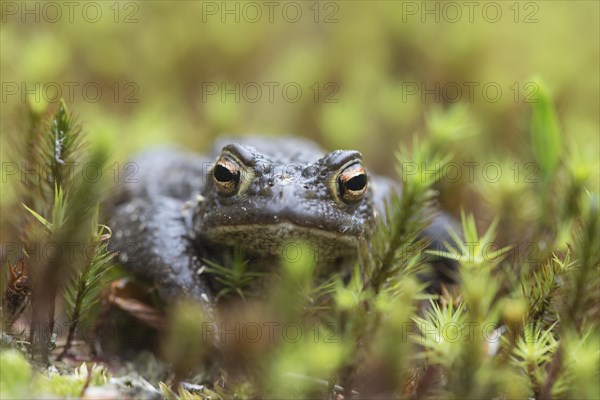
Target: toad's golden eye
(352,183)
(226,175)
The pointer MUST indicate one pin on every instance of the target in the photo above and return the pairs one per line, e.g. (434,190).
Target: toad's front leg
(151,225)
(151,239)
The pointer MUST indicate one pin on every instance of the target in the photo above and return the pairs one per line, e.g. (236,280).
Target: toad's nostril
(309,171)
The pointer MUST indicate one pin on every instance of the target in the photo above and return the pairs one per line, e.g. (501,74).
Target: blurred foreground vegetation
(522,322)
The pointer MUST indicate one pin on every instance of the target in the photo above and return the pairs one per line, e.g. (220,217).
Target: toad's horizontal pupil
(223,174)
(357,182)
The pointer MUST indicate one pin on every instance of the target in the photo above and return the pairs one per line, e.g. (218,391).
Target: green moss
(15,375)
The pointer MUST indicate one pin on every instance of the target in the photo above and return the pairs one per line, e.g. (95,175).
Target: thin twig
(555,368)
(88,379)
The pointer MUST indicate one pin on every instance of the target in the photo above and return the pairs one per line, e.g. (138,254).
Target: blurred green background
(141,73)
(367,75)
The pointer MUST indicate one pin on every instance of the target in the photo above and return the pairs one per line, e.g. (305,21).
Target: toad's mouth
(282,237)
(285,220)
